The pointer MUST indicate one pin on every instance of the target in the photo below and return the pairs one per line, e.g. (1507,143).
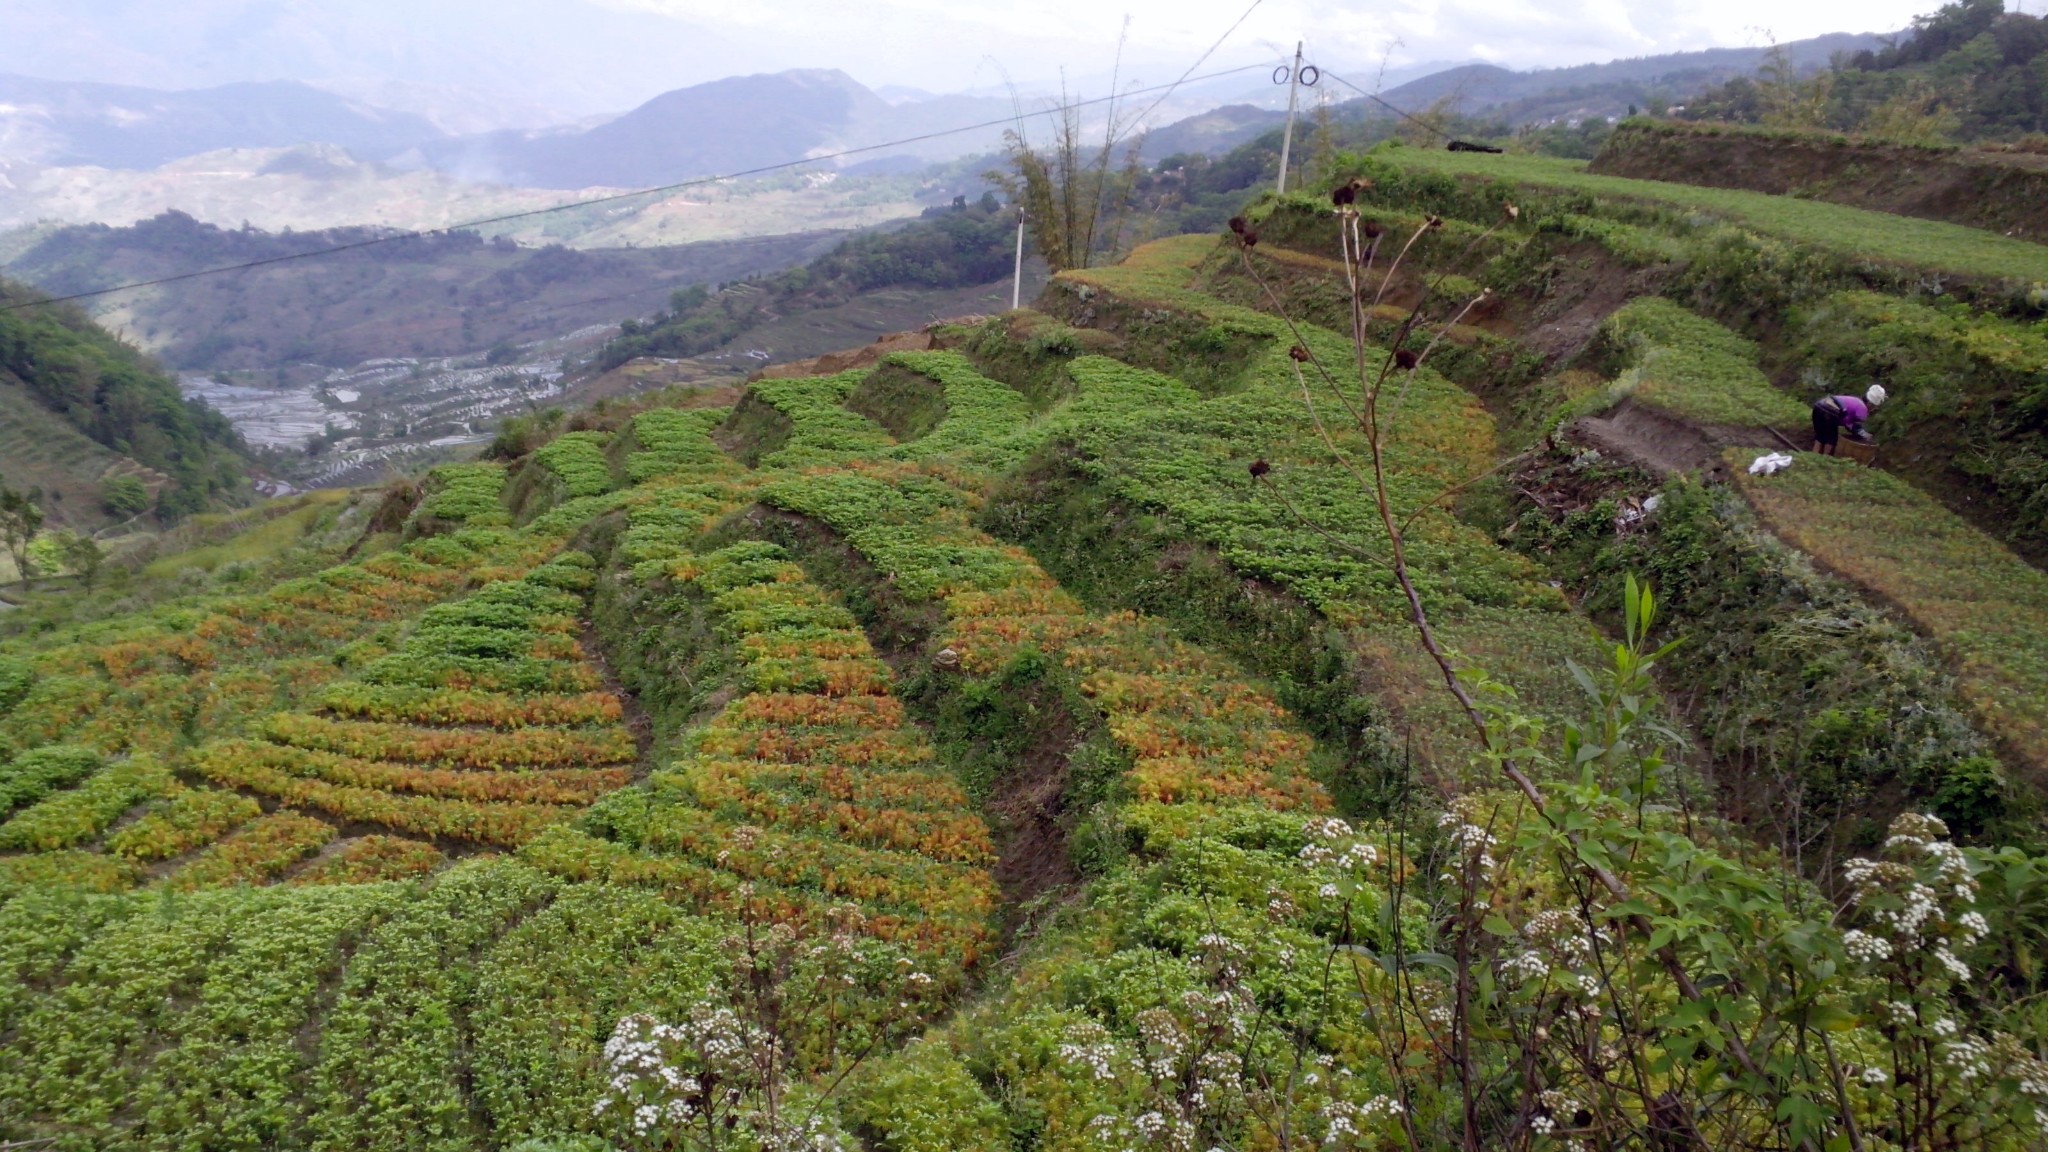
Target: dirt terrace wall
(2002,192)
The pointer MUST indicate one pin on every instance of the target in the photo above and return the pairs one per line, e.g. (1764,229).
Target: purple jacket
(1855,413)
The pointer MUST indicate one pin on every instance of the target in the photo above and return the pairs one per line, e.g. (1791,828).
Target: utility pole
(1017,283)
(1287,140)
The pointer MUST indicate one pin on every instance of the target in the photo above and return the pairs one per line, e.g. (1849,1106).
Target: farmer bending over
(1831,414)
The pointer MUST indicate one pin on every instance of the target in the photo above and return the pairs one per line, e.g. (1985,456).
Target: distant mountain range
(1607,89)
(67,123)
(747,122)
(725,126)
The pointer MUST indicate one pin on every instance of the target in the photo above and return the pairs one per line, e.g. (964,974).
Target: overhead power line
(1201,60)
(661,190)
(1375,98)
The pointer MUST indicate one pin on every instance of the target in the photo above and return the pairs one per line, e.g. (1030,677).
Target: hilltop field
(1045,738)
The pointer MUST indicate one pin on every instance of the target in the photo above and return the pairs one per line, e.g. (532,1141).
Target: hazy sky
(953,44)
(527,61)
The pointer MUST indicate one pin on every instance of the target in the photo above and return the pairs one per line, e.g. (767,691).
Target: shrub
(124,496)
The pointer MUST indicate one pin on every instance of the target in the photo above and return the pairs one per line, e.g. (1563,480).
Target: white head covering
(1876,395)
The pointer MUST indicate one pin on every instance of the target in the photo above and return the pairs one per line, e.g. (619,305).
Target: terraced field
(972,752)
(1906,241)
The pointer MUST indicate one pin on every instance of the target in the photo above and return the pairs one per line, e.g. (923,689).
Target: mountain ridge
(76,123)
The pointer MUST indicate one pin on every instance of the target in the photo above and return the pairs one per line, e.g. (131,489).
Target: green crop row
(984,421)
(369,859)
(260,852)
(1156,448)
(178,1018)
(16,678)
(722,827)
(461,494)
(67,868)
(69,819)
(1689,367)
(821,429)
(676,444)
(41,771)
(558,983)
(189,818)
(576,461)
(1188,729)
(393,1049)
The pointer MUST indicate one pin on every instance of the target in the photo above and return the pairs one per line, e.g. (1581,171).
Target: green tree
(20,519)
(1076,196)
(82,555)
(125,496)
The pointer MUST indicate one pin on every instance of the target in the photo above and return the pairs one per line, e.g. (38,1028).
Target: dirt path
(1665,446)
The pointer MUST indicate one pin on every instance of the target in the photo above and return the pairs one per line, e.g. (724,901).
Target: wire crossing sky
(572,58)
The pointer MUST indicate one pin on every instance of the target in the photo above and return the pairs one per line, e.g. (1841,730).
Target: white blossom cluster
(1558,940)
(1346,1122)
(1917,901)
(1470,843)
(1336,852)
(1089,1047)
(1187,1058)
(707,1069)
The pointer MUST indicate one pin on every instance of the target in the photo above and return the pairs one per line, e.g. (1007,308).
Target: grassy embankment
(1947,317)
(1910,245)
(1854,721)
(1143,482)
(1985,607)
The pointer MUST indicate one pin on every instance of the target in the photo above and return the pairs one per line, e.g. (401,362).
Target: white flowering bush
(753,1071)
(1935,1076)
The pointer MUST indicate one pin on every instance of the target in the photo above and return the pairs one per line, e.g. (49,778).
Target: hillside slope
(2001,191)
(1020,742)
(64,363)
(442,294)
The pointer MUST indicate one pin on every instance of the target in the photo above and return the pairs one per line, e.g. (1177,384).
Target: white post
(1287,140)
(1017,283)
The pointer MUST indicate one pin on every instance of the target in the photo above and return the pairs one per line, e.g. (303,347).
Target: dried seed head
(1433,223)
(1236,224)
(1406,360)
(1260,468)
(1343,195)
(1298,354)
(1373,231)
(1251,238)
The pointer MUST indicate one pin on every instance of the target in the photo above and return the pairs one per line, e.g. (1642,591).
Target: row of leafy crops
(107,781)
(810,791)
(431,771)
(1193,731)
(458,494)
(1688,366)
(1154,446)
(576,463)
